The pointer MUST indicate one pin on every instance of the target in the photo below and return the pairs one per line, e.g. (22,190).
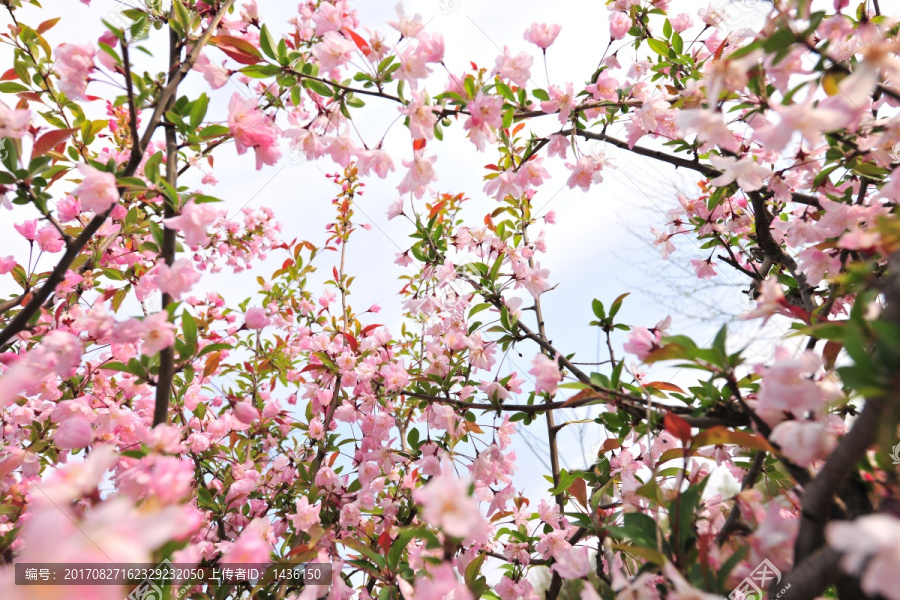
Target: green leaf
(267,42)
(659,47)
(677,43)
(198,110)
(190,330)
(317,87)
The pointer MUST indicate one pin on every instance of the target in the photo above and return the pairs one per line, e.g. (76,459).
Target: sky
(600,246)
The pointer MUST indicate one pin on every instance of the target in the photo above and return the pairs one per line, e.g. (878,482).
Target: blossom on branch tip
(542,35)
(97,191)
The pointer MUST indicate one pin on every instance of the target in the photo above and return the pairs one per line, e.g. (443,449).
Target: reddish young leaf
(677,427)
(664,386)
(436,209)
(418,144)
(384,541)
(237,49)
(359,41)
(718,435)
(50,140)
(578,489)
(46,25)
(354,345)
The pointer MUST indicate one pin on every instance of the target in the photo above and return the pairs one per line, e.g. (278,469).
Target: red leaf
(240,50)
(677,427)
(9,75)
(436,209)
(578,489)
(609,445)
(369,328)
(212,363)
(384,541)
(46,25)
(418,144)
(287,263)
(360,43)
(664,386)
(50,140)
(354,345)
(719,435)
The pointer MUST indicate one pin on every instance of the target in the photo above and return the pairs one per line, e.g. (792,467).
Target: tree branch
(23,317)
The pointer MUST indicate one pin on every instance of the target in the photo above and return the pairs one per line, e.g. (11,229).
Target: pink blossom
(710,127)
(395,209)
(68,209)
(13,121)
(870,546)
(641,342)
(681,22)
(97,191)
(508,589)
(256,318)
(420,174)
(787,389)
(447,504)
(73,433)
(485,117)
(542,35)
(177,279)
(440,583)
(561,101)
(804,442)
(158,333)
(704,268)
(49,240)
(27,229)
(587,171)
(252,128)
(245,412)
(193,221)
(215,75)
(333,51)
(513,68)
(546,372)
(749,175)
(407,26)
(395,376)
(252,546)
(377,161)
(572,562)
(770,301)
(167,479)
(619,24)
(306,515)
(534,280)
(74,63)
(7,264)
(605,88)
(422,116)
(431,47)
